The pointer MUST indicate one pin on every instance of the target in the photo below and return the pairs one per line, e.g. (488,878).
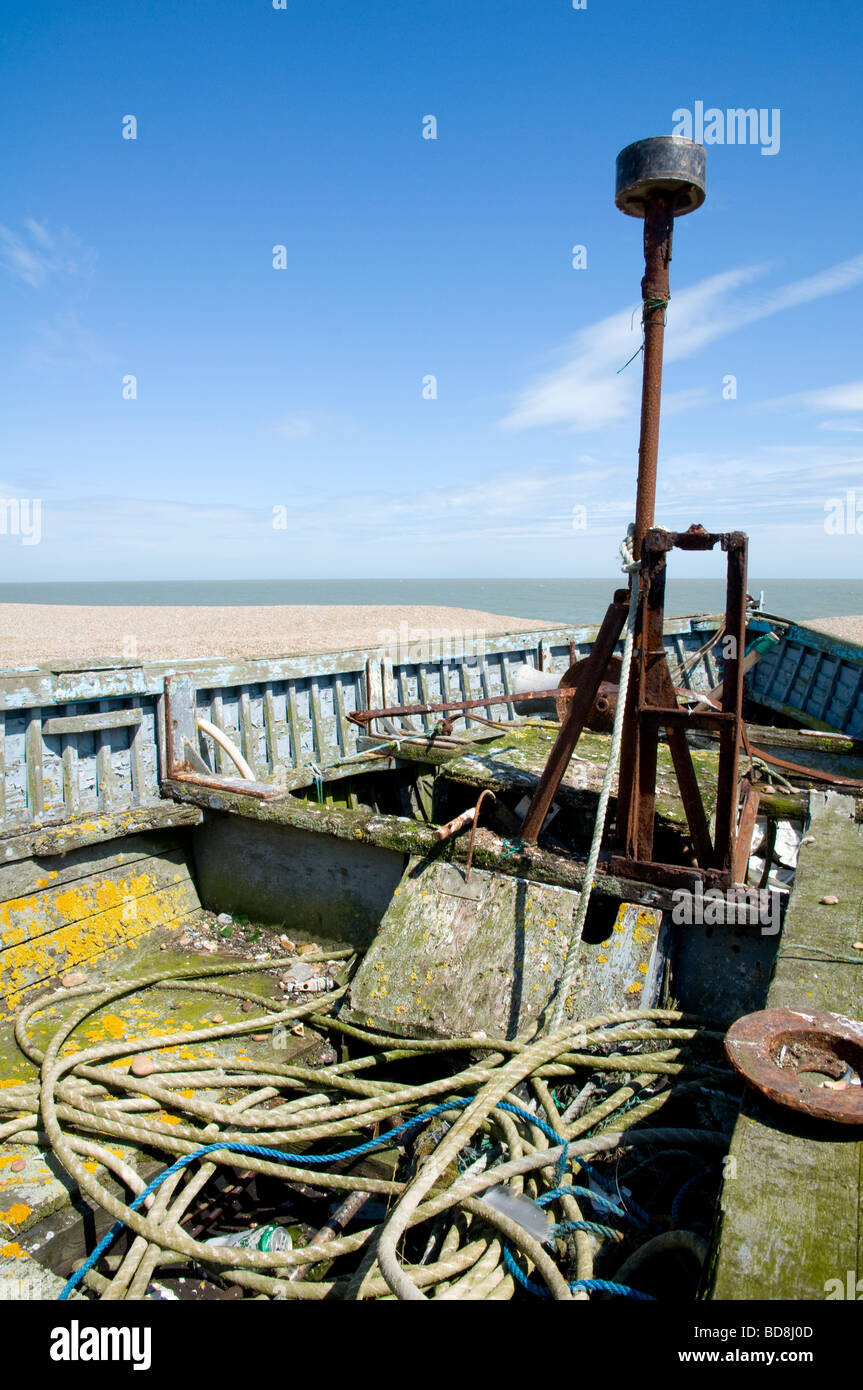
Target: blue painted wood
(288,714)
(812,677)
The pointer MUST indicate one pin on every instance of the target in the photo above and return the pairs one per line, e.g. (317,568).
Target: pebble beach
(34,634)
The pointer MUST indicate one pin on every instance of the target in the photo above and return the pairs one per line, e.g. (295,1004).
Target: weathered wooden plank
(408,836)
(33,755)
(294,723)
(452,956)
(41,685)
(89,723)
(105,778)
(139,765)
(271,730)
(181,715)
(31,875)
(28,917)
(509,710)
(425,697)
(70,946)
(62,836)
(247,733)
(342,726)
(318,734)
(792,1200)
(266,790)
(2,768)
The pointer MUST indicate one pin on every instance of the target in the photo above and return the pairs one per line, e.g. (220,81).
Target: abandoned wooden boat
(135,850)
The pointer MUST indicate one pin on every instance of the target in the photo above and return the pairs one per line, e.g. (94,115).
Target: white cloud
(589,391)
(847,397)
(316,423)
(296,427)
(40,255)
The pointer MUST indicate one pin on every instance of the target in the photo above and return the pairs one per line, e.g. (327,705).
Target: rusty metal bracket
(652,704)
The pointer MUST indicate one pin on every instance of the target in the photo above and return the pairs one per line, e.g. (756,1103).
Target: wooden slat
(270,728)
(181,719)
(2,767)
(71,779)
(317,722)
(486,690)
(247,733)
(24,966)
(795,671)
(509,710)
(31,875)
(425,697)
(221,761)
(33,756)
(105,778)
(91,723)
(32,915)
(342,724)
(294,721)
(161,706)
(138,764)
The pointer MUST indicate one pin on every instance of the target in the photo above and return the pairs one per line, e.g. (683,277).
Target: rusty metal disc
(601,716)
(811,1062)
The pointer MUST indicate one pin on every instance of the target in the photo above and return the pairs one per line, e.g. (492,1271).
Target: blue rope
(599,1199)
(590,1285)
(305,1160)
(684,1193)
(563,1227)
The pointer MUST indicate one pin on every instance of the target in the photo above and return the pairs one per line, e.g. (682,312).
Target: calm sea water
(564,601)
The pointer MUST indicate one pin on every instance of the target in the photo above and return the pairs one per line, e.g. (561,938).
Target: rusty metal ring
(774,1048)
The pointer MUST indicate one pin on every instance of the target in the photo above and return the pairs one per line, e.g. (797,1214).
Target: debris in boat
(522,1209)
(419,1198)
(225,919)
(73,980)
(261,1238)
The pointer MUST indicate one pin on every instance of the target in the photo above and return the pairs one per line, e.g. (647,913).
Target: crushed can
(265,1238)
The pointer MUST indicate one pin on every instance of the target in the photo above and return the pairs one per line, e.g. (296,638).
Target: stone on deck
(792,1213)
(456,958)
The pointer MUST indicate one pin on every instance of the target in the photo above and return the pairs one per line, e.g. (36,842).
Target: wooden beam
(90,723)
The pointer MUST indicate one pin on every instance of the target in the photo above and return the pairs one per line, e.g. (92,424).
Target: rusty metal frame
(652,705)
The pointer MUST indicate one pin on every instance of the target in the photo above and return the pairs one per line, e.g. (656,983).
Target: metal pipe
(655,286)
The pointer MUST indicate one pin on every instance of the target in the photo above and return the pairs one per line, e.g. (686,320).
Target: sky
(281,333)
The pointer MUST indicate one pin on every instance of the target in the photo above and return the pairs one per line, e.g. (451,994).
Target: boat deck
(792,1201)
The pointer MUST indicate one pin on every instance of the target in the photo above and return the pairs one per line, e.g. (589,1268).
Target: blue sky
(301,389)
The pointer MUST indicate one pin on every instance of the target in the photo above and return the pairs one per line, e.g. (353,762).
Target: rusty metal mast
(658,180)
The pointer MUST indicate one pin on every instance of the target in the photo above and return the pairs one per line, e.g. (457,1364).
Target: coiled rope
(305,1124)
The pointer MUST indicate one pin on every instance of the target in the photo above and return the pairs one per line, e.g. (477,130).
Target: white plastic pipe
(230,748)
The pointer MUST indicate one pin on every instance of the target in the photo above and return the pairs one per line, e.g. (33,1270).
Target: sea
(568,602)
